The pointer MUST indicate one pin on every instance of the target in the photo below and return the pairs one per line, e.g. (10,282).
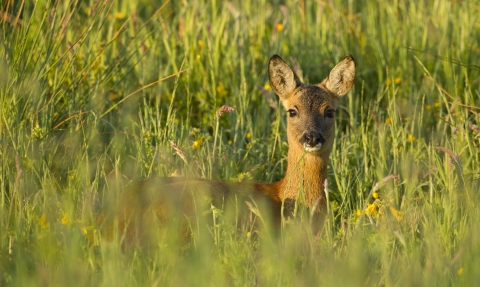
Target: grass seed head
(225,109)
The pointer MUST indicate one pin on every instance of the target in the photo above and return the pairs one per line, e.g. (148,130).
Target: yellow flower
(87,230)
(200,43)
(249,234)
(428,107)
(388,121)
(249,135)
(396,81)
(230,142)
(375,195)
(197,144)
(221,91)
(411,138)
(89,234)
(436,104)
(371,209)
(120,15)
(279,27)
(65,219)
(460,271)
(267,87)
(359,212)
(397,213)
(42,221)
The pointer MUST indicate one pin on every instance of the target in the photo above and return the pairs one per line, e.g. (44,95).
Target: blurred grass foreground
(93,93)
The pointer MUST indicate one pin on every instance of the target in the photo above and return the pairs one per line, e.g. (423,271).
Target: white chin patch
(312,148)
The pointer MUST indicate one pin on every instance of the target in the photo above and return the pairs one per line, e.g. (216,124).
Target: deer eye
(292,113)
(330,114)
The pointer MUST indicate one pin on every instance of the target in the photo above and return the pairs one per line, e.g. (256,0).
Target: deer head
(311,108)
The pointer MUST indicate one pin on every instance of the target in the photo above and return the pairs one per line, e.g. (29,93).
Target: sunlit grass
(96,95)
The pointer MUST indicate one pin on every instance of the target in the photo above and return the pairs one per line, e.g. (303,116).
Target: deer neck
(305,177)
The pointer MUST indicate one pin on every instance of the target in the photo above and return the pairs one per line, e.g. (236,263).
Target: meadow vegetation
(93,95)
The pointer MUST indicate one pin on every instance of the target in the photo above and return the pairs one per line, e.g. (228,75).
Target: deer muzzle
(312,141)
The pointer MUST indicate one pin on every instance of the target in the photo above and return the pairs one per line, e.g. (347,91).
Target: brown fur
(161,199)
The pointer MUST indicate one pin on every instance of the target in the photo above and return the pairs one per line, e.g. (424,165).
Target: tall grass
(92,93)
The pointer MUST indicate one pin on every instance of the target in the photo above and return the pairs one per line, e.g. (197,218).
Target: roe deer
(310,132)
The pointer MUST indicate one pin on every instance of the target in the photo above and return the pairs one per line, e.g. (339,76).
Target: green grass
(86,110)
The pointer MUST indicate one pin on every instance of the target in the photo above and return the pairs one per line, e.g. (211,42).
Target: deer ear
(282,79)
(341,77)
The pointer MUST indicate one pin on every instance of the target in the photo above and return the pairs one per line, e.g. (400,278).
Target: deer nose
(312,139)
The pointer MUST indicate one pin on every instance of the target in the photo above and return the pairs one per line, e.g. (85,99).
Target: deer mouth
(314,148)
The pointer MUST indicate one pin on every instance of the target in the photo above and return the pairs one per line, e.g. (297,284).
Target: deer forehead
(310,98)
